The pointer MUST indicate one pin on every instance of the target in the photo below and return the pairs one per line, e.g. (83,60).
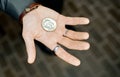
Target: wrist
(30,8)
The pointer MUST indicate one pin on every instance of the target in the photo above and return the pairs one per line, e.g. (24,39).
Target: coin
(49,24)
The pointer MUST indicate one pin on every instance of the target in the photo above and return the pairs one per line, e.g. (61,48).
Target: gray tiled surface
(102,60)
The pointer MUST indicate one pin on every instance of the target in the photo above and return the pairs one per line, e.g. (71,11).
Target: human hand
(32,30)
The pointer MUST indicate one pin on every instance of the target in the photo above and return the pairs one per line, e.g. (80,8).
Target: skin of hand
(32,30)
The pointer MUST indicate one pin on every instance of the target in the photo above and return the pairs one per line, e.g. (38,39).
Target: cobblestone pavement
(102,60)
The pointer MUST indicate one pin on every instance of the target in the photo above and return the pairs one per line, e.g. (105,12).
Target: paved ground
(102,60)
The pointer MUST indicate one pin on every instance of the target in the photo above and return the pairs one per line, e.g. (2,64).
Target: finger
(76,20)
(77,45)
(76,35)
(61,53)
(31,51)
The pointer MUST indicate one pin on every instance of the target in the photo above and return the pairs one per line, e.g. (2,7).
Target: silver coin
(49,24)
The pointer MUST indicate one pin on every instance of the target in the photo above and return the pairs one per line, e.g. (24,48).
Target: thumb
(31,51)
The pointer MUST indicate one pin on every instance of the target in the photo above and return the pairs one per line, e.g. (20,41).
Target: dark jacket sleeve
(14,7)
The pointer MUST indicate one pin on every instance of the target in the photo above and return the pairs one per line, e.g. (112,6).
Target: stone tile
(104,3)
(7,47)
(57,71)
(92,2)
(12,34)
(96,51)
(23,75)
(116,3)
(114,26)
(99,25)
(115,14)
(86,10)
(3,61)
(109,68)
(96,35)
(113,41)
(9,73)
(44,71)
(101,12)
(15,64)
(110,52)
(118,65)
(93,64)
(30,69)
(19,49)
(72,72)
(87,74)
(104,75)
(72,6)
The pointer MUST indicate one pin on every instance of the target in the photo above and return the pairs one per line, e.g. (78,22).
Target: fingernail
(87,21)
(29,61)
(87,46)
(77,63)
(86,35)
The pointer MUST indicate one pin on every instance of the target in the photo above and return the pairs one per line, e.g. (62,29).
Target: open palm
(32,30)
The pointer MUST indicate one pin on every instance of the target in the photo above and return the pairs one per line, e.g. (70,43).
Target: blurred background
(101,60)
